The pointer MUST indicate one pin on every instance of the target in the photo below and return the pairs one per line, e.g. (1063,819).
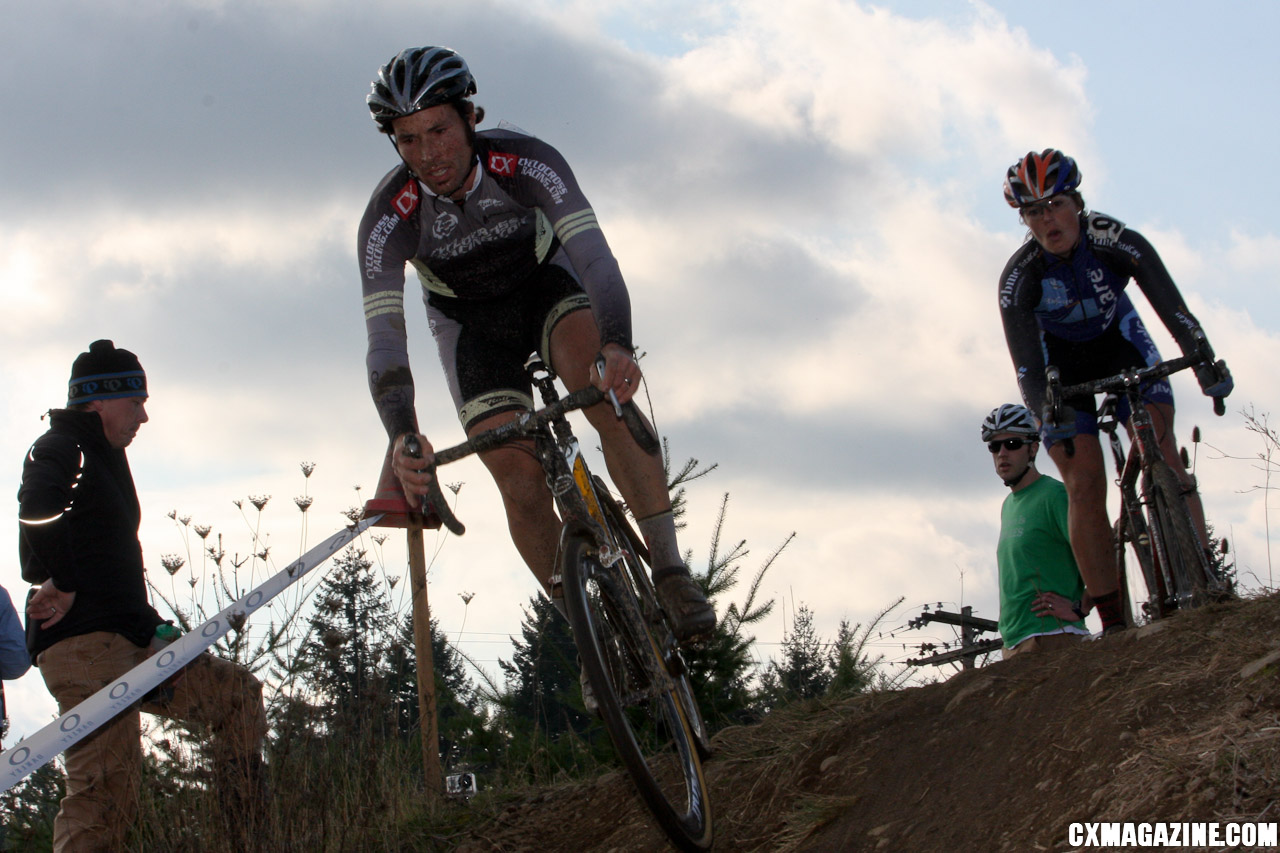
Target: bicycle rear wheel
(1176,540)
(639,700)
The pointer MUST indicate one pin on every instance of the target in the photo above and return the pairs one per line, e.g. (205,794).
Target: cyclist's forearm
(390,379)
(1163,294)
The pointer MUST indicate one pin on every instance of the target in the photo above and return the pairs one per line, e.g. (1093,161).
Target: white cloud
(804,200)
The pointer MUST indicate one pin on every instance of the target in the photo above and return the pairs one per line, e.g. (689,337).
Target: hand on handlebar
(1215,379)
(1062,428)
(411,461)
(620,373)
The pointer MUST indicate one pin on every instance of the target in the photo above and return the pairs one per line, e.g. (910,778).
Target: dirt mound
(1176,721)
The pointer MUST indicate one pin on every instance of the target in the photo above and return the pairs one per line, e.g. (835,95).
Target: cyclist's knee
(1086,486)
(573,346)
(517,472)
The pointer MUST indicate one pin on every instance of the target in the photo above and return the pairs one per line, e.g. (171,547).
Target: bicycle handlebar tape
(640,431)
(441,511)
(389,500)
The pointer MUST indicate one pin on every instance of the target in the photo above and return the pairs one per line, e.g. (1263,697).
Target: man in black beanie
(90,620)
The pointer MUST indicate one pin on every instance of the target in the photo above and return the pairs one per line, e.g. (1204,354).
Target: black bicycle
(1154,517)
(629,653)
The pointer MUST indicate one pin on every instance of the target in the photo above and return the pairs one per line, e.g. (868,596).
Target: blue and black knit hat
(105,373)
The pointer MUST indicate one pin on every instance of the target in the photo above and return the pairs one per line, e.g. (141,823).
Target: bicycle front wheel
(639,700)
(637,562)
(1177,543)
(1131,529)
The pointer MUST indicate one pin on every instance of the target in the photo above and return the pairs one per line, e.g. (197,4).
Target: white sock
(659,532)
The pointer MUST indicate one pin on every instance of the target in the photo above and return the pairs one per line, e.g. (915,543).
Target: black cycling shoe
(692,616)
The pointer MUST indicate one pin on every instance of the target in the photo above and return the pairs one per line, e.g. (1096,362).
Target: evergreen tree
(542,676)
(343,659)
(462,725)
(850,672)
(853,670)
(805,669)
(721,668)
(28,809)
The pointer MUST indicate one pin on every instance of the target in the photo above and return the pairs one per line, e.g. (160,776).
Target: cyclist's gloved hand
(1215,379)
(1063,429)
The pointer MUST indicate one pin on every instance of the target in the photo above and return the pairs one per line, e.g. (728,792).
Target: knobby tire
(1183,554)
(1134,531)
(639,701)
(638,564)
(1118,535)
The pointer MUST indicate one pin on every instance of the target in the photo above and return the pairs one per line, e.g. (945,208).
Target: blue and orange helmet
(1037,177)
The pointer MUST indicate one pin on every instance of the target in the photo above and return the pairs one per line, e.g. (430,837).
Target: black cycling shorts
(484,343)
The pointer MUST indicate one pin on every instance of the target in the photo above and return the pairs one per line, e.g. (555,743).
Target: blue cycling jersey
(1055,305)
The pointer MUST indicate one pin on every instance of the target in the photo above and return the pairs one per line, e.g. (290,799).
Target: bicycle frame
(1135,473)
(571,483)
(1131,523)
(629,654)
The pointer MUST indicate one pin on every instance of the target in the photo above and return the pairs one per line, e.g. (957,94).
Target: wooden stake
(426,665)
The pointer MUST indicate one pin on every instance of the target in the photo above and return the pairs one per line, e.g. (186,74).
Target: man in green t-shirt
(1042,596)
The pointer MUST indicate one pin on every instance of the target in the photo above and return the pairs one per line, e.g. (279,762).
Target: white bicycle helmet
(1010,418)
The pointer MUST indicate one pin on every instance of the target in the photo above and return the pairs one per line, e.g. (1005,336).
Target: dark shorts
(484,344)
(1123,346)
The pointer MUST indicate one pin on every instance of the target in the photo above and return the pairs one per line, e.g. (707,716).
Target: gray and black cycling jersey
(524,212)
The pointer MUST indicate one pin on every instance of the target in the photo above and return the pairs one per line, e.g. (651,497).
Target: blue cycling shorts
(1124,345)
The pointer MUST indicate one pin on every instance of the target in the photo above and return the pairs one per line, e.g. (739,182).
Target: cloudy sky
(804,198)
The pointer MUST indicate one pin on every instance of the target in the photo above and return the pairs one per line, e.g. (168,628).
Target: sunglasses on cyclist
(1042,208)
(1007,444)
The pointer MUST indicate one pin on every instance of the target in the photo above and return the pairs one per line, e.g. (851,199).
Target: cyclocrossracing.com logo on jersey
(1187,834)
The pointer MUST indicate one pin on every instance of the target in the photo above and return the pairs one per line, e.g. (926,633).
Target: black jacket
(78,524)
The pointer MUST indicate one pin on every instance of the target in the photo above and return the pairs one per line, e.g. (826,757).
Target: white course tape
(28,755)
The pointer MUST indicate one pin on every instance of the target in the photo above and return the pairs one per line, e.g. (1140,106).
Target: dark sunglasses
(1007,444)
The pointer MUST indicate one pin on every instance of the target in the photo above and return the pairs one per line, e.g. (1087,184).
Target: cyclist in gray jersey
(511,259)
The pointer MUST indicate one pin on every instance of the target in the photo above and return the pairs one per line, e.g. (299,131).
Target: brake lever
(613,397)
(433,500)
(1053,400)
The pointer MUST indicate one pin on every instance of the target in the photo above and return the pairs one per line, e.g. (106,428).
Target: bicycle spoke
(639,700)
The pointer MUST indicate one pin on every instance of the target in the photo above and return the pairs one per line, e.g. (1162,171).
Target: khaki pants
(1044,643)
(104,770)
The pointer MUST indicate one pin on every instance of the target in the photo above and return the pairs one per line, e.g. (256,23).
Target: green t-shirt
(1034,556)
